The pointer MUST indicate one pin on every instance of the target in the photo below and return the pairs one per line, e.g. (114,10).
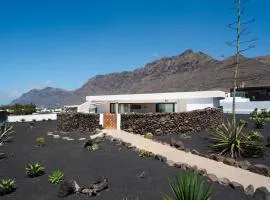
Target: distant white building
(152,102)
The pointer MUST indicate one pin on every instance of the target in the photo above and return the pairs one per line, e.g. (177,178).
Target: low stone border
(260,193)
(257,168)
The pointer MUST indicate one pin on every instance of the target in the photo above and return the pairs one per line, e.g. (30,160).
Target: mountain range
(189,71)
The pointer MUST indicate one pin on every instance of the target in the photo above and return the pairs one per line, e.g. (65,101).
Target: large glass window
(124,108)
(165,107)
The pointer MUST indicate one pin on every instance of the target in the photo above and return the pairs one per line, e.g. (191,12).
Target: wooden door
(110,121)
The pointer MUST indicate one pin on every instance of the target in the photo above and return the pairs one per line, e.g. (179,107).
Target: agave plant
(34,170)
(189,186)
(7,186)
(234,142)
(40,141)
(5,131)
(56,177)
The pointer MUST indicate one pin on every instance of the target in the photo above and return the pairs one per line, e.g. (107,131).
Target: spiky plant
(5,131)
(234,142)
(189,186)
(40,141)
(34,169)
(7,186)
(56,177)
(259,122)
(145,153)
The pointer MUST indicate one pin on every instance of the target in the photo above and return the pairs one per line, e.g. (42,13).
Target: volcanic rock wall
(77,122)
(171,123)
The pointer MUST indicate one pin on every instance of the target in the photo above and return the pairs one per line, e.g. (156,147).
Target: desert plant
(236,144)
(144,153)
(34,169)
(22,120)
(244,122)
(93,147)
(56,177)
(5,131)
(40,141)
(149,135)
(259,122)
(7,186)
(189,186)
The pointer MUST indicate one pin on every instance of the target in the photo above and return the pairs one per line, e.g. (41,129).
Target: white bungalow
(152,102)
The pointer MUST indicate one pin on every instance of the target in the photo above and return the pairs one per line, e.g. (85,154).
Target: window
(112,108)
(124,108)
(93,110)
(165,107)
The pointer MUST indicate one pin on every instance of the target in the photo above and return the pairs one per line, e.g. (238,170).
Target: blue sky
(62,43)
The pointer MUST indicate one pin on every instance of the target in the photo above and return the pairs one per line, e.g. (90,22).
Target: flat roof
(158,96)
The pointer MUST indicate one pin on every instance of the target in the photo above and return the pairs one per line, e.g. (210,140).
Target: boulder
(262,169)
(202,171)
(244,164)
(161,158)
(216,157)
(194,151)
(236,186)
(224,181)
(212,177)
(249,190)
(170,163)
(261,193)
(68,187)
(88,143)
(229,161)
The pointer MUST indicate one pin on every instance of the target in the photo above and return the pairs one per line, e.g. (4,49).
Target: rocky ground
(200,141)
(130,176)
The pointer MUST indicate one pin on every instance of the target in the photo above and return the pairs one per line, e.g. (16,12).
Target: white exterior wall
(245,107)
(103,108)
(195,104)
(84,108)
(29,118)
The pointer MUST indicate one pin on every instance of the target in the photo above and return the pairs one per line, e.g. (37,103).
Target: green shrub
(40,141)
(244,122)
(259,122)
(233,143)
(93,147)
(263,114)
(144,153)
(5,131)
(7,186)
(22,120)
(189,186)
(149,135)
(34,170)
(56,177)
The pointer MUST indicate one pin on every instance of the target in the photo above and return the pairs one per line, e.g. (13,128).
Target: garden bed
(120,165)
(200,141)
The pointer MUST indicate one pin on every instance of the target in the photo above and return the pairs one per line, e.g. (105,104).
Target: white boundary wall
(28,118)
(245,107)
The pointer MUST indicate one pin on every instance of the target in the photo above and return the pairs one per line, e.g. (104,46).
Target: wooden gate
(110,121)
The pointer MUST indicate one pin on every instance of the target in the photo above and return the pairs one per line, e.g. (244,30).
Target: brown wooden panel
(110,121)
